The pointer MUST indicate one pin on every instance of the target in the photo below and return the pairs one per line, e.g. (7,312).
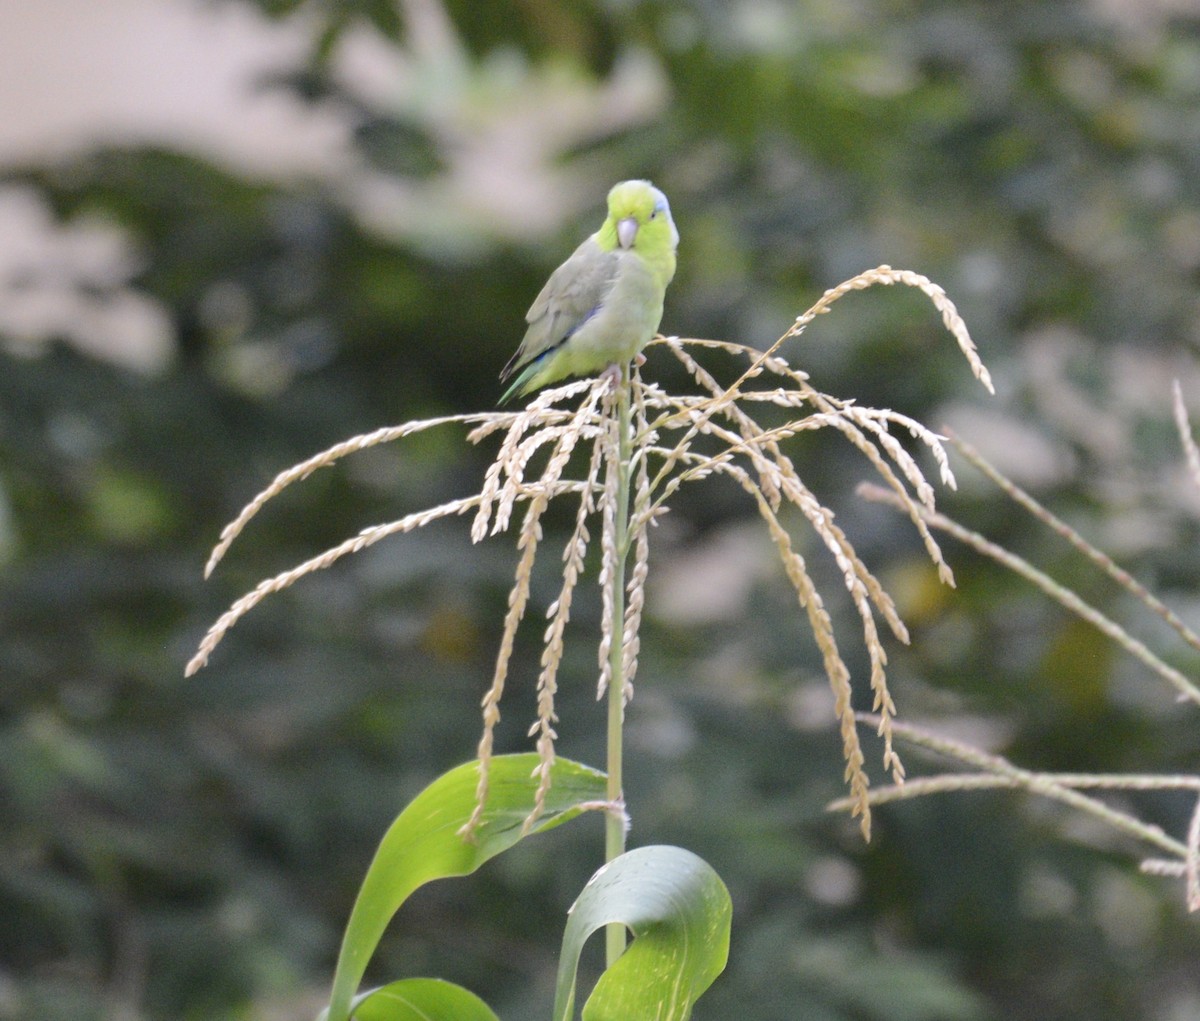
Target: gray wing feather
(572,294)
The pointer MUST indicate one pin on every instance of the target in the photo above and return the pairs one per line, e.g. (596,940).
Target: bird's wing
(572,295)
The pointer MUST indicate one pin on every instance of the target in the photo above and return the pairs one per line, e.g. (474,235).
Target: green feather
(519,384)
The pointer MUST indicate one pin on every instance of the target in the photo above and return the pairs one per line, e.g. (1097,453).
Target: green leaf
(423,844)
(421,999)
(679,913)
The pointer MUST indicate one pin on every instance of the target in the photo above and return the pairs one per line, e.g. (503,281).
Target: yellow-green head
(639,219)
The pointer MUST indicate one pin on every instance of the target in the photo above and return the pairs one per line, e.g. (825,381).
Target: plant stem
(614,831)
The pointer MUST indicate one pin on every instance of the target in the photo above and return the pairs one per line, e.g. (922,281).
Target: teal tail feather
(524,383)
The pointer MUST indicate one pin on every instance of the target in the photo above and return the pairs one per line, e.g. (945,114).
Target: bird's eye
(654,214)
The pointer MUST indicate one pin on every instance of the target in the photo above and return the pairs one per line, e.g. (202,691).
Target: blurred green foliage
(174,849)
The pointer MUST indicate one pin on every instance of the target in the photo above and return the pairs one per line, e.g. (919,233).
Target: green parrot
(600,307)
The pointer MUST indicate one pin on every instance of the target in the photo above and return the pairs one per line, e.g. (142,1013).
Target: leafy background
(192,317)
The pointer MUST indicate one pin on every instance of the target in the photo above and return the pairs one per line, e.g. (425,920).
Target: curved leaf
(679,913)
(423,844)
(421,999)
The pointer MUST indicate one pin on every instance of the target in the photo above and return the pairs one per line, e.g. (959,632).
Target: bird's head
(639,216)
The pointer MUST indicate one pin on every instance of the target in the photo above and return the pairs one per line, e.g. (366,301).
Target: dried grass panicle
(776,472)
(635,601)
(822,627)
(609,557)
(325,458)
(989,771)
(559,614)
(639,535)
(367,537)
(767,480)
(1191,862)
(513,463)
(1186,688)
(848,417)
(1098,557)
(843,415)
(858,578)
(542,415)
(862,585)
(887,276)
(504,480)
(674,439)
(915,509)
(1190,450)
(518,599)
(867,420)
(775,481)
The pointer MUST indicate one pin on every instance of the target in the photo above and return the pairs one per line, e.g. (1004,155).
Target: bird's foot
(639,359)
(612,375)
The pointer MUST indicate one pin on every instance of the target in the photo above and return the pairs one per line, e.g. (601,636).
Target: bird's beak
(627,231)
